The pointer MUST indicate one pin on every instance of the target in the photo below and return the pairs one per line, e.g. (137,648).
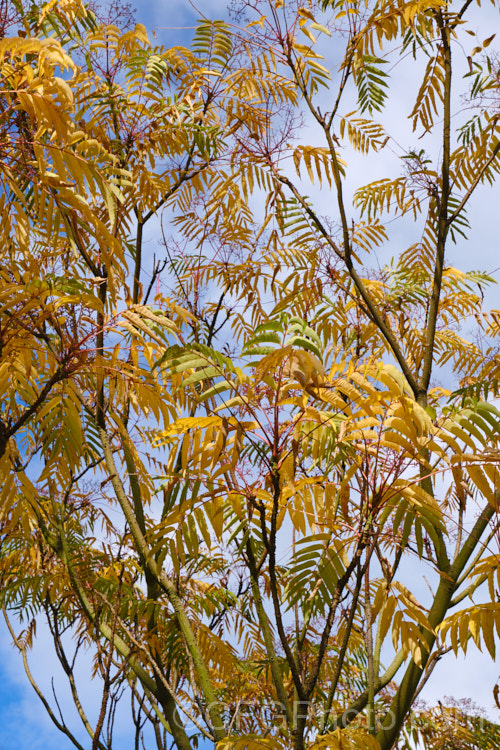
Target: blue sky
(23,722)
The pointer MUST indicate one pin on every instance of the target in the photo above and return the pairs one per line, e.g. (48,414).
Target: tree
(219,489)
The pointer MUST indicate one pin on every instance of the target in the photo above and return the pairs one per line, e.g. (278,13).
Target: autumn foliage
(225,438)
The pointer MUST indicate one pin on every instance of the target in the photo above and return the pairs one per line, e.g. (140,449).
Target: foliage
(219,458)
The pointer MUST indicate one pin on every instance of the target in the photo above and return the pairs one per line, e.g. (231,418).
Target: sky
(23,721)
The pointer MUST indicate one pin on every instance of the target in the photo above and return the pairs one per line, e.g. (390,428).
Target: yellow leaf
(308,34)
(306,13)
(140,33)
(487,625)
(320,27)
(260,22)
